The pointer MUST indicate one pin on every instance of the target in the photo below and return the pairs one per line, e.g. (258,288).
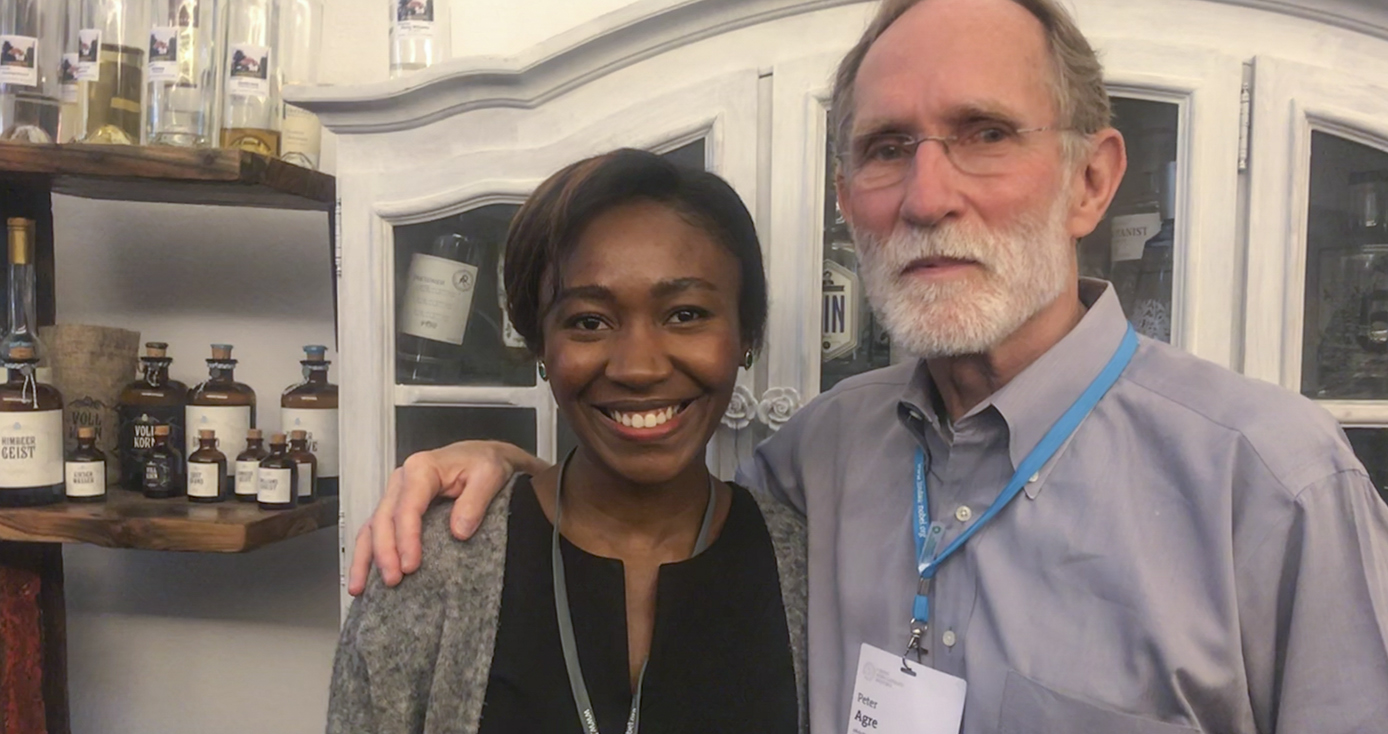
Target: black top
(720,650)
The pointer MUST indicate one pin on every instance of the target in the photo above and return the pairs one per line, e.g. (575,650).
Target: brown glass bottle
(152,400)
(278,478)
(306,488)
(207,470)
(311,405)
(220,403)
(248,465)
(84,471)
(31,434)
(163,467)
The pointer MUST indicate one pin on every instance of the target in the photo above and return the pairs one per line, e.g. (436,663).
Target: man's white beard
(1025,268)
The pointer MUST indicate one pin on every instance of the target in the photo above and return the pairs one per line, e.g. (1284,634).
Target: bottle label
(18,55)
(305,479)
(321,425)
(248,71)
(438,299)
(67,76)
(229,421)
(1130,234)
(136,436)
(163,54)
(85,478)
(839,321)
(161,473)
(414,20)
(31,449)
(275,485)
(247,478)
(204,480)
(88,48)
(300,137)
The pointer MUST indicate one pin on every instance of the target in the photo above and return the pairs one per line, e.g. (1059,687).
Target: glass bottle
(163,467)
(84,471)
(152,400)
(305,483)
(311,406)
(184,80)
(112,43)
(29,70)
(278,477)
(71,122)
(248,464)
(420,35)
(207,470)
(1151,314)
(23,315)
(302,26)
(31,433)
(434,315)
(251,95)
(219,403)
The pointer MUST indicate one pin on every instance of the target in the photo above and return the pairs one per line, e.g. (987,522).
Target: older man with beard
(1166,546)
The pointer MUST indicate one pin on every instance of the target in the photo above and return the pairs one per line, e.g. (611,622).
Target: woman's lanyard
(566,623)
(928,534)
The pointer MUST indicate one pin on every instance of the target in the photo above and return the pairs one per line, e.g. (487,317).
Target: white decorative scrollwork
(777,405)
(741,409)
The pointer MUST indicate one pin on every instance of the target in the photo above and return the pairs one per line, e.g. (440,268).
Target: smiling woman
(626,588)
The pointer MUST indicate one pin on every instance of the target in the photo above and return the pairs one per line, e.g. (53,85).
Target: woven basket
(91,364)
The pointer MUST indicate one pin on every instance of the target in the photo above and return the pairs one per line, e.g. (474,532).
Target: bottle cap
(254,433)
(21,241)
(206,433)
(277,438)
(221,351)
(156,349)
(298,435)
(19,223)
(86,432)
(161,430)
(21,353)
(315,353)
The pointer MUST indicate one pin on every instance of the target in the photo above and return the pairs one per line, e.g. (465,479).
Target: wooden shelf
(166,174)
(130,520)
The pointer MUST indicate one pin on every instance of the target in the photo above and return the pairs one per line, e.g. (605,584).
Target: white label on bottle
(438,298)
(248,71)
(275,485)
(305,479)
(413,30)
(1130,235)
(31,449)
(18,62)
(247,477)
(229,421)
(85,478)
(839,317)
(204,480)
(414,20)
(67,76)
(163,54)
(300,137)
(88,48)
(321,425)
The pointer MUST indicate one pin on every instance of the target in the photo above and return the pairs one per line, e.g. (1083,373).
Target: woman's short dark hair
(547,228)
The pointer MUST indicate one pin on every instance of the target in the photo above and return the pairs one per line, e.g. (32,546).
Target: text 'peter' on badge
(896,696)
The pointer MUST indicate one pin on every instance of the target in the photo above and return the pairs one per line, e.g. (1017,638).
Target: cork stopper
(315,353)
(21,240)
(277,438)
(221,351)
(156,349)
(206,433)
(20,353)
(86,432)
(254,433)
(298,435)
(161,430)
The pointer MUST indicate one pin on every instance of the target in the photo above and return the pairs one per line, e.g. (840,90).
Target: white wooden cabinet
(1269,109)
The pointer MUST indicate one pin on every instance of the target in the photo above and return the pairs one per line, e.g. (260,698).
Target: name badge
(890,700)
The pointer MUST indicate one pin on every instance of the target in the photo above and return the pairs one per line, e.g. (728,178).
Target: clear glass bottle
(22,313)
(248,465)
(207,470)
(219,403)
(437,305)
(278,477)
(301,135)
(305,483)
(251,91)
(31,433)
(72,124)
(163,467)
(84,472)
(29,69)
(420,34)
(311,406)
(1151,314)
(184,94)
(151,400)
(112,44)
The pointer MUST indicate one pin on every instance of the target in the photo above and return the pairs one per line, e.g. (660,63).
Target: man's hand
(471,471)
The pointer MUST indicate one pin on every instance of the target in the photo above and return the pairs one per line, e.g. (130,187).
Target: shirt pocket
(1031,708)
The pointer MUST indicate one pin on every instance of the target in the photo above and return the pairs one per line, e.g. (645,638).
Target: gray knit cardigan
(416,658)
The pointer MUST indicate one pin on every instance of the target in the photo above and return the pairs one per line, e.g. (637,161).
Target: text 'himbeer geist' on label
(19,60)
(85,478)
(276,486)
(229,421)
(204,480)
(31,449)
(321,426)
(248,71)
(438,299)
(163,54)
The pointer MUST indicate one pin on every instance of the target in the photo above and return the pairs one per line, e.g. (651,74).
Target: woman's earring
(747,359)
(543,375)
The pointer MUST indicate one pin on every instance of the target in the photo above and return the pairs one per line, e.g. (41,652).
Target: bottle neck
(316,373)
(221,371)
(255,444)
(207,444)
(23,316)
(156,372)
(277,449)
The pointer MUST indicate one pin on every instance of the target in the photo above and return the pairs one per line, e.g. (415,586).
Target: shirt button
(1034,478)
(963,514)
(948,638)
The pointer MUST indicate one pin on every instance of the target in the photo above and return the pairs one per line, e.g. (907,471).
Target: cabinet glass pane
(1344,352)
(422,428)
(1133,246)
(451,328)
(689,155)
(1371,446)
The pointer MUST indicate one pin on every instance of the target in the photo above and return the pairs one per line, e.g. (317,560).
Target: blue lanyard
(928,534)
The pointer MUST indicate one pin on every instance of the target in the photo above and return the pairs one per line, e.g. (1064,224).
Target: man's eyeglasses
(984,149)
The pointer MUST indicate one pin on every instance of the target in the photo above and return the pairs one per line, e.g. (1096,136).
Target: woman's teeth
(649,419)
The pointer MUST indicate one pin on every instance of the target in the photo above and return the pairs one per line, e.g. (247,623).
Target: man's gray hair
(1076,79)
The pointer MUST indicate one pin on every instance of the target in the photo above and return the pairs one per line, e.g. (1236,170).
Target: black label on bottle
(161,474)
(137,424)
